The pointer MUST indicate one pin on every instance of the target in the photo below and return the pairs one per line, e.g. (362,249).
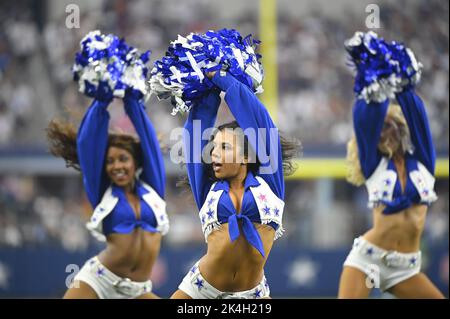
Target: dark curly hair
(62,138)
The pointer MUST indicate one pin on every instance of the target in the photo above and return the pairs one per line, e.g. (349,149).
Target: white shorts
(384,269)
(108,285)
(197,287)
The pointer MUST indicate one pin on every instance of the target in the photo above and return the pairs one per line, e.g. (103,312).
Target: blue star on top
(266,210)
(413,261)
(210,213)
(257,293)
(276,211)
(211,201)
(199,283)
(369,251)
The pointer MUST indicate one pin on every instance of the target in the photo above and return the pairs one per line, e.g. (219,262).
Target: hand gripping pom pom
(106,66)
(382,69)
(179,75)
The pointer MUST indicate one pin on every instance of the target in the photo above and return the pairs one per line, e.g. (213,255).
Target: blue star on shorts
(193,269)
(100,272)
(257,293)
(199,283)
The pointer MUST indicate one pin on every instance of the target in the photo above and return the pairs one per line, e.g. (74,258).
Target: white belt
(390,258)
(122,285)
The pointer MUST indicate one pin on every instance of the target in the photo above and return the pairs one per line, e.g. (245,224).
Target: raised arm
(92,144)
(414,111)
(201,117)
(368,122)
(153,172)
(250,113)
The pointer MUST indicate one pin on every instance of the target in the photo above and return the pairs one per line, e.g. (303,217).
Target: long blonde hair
(354,173)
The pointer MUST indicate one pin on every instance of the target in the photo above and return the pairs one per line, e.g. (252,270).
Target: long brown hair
(62,138)
(290,149)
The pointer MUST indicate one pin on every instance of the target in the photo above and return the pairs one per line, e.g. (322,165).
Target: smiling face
(120,166)
(228,160)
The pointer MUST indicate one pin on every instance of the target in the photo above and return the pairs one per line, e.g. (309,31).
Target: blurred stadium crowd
(37,51)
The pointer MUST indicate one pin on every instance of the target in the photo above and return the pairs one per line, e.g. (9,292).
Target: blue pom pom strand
(382,68)
(107,66)
(180,74)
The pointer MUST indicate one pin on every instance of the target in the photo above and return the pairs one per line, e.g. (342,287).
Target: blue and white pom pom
(382,68)
(106,59)
(179,75)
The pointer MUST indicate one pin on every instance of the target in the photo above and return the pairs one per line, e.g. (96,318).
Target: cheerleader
(240,209)
(124,179)
(392,153)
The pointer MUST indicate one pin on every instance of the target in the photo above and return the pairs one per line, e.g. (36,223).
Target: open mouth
(216,166)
